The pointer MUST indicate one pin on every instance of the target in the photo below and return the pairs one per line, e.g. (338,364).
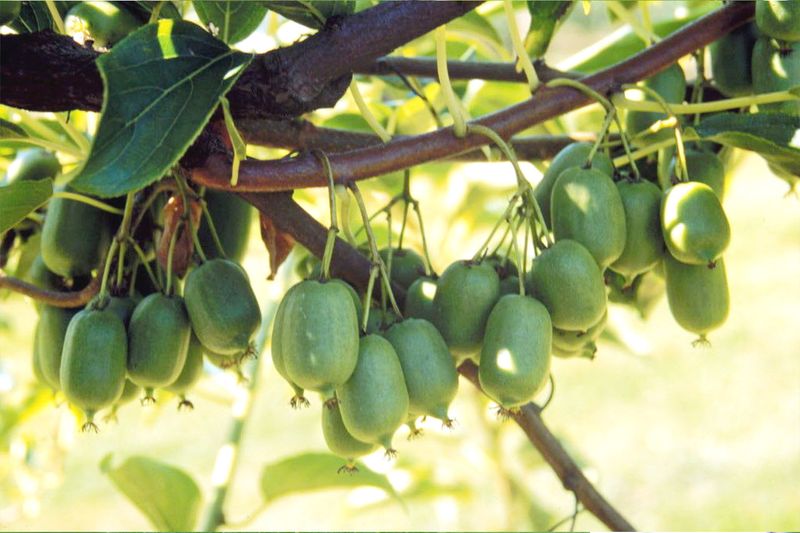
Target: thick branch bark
(48,72)
(302,135)
(350,265)
(306,170)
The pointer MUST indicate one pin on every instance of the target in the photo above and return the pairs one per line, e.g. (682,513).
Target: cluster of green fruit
(134,336)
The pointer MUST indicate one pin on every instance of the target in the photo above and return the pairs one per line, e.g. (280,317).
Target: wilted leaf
(316,471)
(234,19)
(167,495)
(20,198)
(278,243)
(162,83)
(174,222)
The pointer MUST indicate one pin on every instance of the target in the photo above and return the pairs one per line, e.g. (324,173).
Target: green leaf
(545,17)
(168,496)
(624,43)
(311,13)
(776,136)
(143,9)
(234,19)
(9,130)
(161,85)
(20,198)
(315,471)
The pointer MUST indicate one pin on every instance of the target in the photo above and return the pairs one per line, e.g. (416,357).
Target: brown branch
(306,170)
(302,135)
(460,70)
(54,298)
(44,71)
(350,265)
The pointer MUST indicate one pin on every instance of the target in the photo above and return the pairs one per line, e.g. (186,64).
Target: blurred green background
(677,438)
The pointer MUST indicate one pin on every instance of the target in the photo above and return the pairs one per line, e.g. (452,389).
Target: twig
(460,70)
(54,298)
(305,171)
(354,267)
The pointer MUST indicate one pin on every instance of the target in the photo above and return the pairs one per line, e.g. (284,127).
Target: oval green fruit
(130,392)
(276,351)
(122,306)
(36,359)
(567,340)
(319,336)
(642,294)
(74,236)
(339,440)
(731,57)
(697,295)
(232,217)
(567,280)
(102,22)
(379,320)
(407,265)
(465,295)
(222,306)
(670,84)
(573,155)
(694,224)
(703,167)
(644,243)
(158,341)
(430,374)
(32,164)
(39,275)
(515,358)
(353,296)
(586,207)
(93,363)
(374,401)
(779,19)
(419,299)
(50,334)
(509,285)
(776,68)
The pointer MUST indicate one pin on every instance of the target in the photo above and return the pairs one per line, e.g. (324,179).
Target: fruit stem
(523,60)
(367,114)
(143,262)
(373,246)
(122,236)
(428,264)
(601,136)
(171,252)
(459,124)
(211,227)
(649,91)
(333,230)
(87,200)
(520,257)
(187,216)
(373,273)
(699,80)
(56,16)
(107,270)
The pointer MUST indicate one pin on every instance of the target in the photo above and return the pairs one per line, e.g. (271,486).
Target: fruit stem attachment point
(333,230)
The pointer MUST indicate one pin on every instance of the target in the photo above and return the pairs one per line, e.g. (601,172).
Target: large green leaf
(315,471)
(161,85)
(234,19)
(35,16)
(311,13)
(20,198)
(776,136)
(545,17)
(168,496)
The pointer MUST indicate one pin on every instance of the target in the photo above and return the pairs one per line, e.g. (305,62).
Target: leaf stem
(705,107)
(56,16)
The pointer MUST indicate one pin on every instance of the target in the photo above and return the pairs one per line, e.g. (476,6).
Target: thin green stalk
(459,125)
(684,174)
(373,246)
(643,152)
(367,114)
(646,34)
(428,264)
(56,16)
(143,262)
(373,273)
(170,253)
(523,59)
(107,270)
(333,230)
(213,229)
(520,258)
(87,200)
(503,219)
(77,137)
(122,235)
(705,107)
(609,118)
